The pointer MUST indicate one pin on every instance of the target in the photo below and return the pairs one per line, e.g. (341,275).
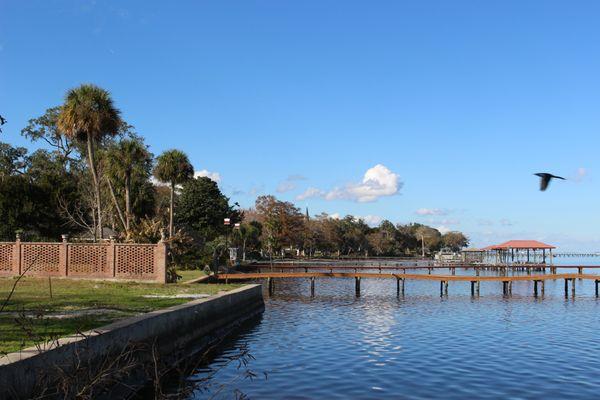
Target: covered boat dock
(520,252)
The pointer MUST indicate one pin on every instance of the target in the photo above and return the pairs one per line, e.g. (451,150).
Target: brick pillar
(111,254)
(63,257)
(16,256)
(160,262)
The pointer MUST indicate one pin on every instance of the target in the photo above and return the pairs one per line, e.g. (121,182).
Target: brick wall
(85,260)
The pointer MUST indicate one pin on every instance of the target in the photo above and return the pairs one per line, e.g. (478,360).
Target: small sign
(227,221)
(237,225)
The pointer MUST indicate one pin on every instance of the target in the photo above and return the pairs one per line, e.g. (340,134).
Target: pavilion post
(544,256)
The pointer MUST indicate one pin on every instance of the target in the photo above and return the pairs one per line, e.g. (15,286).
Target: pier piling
(312,286)
(357,285)
(271,285)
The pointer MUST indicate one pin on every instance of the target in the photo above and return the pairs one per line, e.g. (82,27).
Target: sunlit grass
(33,299)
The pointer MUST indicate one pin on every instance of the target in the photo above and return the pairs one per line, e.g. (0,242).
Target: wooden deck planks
(445,278)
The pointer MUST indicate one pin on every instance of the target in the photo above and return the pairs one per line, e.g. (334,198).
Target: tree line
(279,228)
(95,177)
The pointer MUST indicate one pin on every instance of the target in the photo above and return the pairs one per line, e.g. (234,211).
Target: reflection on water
(422,346)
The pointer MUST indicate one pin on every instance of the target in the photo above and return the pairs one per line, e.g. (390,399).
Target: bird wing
(544,181)
(558,177)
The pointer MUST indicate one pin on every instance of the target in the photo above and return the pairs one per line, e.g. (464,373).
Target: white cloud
(156,182)
(371,220)
(256,190)
(285,186)
(289,183)
(432,211)
(377,182)
(215,176)
(310,193)
(447,221)
(443,229)
(335,216)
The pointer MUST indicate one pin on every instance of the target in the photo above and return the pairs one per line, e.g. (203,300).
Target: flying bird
(545,179)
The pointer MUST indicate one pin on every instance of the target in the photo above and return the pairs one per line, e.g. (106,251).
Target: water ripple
(421,346)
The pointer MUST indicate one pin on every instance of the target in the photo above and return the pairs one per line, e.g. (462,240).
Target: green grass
(189,274)
(117,299)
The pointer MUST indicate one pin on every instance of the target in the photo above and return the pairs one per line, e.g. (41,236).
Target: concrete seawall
(167,332)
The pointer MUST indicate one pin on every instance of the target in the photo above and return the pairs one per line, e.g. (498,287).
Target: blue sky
(450,106)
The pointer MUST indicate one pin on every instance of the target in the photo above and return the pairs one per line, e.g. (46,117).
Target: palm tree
(173,167)
(125,160)
(88,115)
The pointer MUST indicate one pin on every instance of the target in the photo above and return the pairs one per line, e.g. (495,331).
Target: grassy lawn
(31,309)
(189,274)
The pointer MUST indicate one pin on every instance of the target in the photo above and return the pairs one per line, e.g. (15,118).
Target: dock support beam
(312,286)
(271,285)
(597,281)
(535,288)
(399,286)
(357,285)
(473,283)
(572,287)
(443,288)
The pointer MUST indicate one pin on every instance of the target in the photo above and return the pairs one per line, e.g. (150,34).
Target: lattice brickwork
(88,260)
(135,261)
(40,258)
(6,257)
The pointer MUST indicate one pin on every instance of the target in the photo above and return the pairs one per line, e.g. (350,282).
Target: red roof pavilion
(522,244)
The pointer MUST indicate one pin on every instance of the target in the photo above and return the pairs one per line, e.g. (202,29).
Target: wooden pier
(502,269)
(538,280)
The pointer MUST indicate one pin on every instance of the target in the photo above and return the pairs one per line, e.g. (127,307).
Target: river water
(420,346)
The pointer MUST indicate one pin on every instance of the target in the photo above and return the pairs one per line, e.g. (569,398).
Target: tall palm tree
(126,160)
(88,115)
(173,167)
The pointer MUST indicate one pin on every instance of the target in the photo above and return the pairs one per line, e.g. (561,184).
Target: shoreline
(167,333)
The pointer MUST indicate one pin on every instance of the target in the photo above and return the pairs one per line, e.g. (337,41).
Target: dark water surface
(420,346)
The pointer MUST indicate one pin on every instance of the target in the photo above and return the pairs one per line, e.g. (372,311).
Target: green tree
(383,239)
(202,207)
(282,221)
(127,162)
(45,129)
(247,233)
(173,167)
(89,115)
(455,240)
(13,160)
(430,237)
